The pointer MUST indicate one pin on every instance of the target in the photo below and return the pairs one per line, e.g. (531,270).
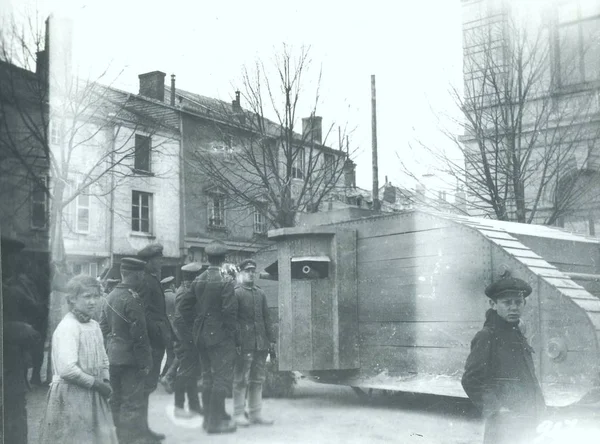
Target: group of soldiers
(219,322)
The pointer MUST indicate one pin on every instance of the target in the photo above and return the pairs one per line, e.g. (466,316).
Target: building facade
(532,83)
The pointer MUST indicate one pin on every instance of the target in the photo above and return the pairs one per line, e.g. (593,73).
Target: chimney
(152,84)
(389,192)
(236,106)
(41,65)
(312,129)
(349,174)
(172,89)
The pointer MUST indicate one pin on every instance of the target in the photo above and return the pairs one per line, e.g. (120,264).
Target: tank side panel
(421,299)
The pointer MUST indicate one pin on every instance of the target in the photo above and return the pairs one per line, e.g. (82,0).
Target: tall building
(532,116)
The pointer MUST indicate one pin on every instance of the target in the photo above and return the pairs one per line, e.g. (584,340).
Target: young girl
(77,410)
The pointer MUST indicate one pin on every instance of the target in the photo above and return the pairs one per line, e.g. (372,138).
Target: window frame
(260,223)
(138,151)
(299,164)
(34,202)
(140,206)
(78,206)
(211,219)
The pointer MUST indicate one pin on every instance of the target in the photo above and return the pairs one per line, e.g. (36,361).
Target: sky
(413,49)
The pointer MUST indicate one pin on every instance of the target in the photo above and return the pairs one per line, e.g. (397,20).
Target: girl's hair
(79,284)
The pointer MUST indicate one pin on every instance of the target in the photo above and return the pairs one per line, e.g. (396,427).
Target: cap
(150,251)
(11,245)
(507,285)
(216,248)
(167,280)
(132,264)
(247,264)
(192,267)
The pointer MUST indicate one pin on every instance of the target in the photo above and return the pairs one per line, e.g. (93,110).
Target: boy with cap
(123,325)
(499,373)
(257,338)
(211,309)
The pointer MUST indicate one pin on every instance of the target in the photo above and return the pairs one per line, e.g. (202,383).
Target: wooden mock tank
(392,301)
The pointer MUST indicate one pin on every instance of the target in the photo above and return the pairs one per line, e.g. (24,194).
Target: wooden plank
(538,263)
(394,224)
(522,253)
(576,293)
(302,326)
(427,360)
(548,272)
(509,244)
(286,349)
(346,300)
(463,300)
(496,234)
(322,324)
(562,283)
(418,334)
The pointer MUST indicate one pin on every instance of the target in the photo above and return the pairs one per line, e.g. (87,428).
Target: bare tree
(63,136)
(267,164)
(525,152)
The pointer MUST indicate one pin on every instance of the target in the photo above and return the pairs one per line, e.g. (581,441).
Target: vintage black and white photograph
(300,222)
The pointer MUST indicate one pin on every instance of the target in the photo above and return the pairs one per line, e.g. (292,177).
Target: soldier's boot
(239,403)
(216,423)
(206,404)
(255,405)
(193,399)
(155,436)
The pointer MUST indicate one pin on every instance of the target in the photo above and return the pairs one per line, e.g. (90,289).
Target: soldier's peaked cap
(132,264)
(167,280)
(150,251)
(247,264)
(507,286)
(216,248)
(192,267)
(11,245)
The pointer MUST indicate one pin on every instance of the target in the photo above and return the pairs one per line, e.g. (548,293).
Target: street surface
(320,413)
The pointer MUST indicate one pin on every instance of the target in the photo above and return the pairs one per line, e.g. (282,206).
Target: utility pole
(376,203)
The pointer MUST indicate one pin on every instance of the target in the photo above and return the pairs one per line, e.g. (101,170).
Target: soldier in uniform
(123,324)
(257,338)
(159,331)
(499,373)
(211,310)
(187,353)
(17,337)
(170,368)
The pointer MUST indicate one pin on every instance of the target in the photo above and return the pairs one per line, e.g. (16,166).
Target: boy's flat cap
(507,285)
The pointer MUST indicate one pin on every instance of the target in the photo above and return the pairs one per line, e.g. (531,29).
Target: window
(578,43)
(298,165)
(54,133)
(82,211)
(260,221)
(141,212)
(216,210)
(328,166)
(142,153)
(87,268)
(39,204)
